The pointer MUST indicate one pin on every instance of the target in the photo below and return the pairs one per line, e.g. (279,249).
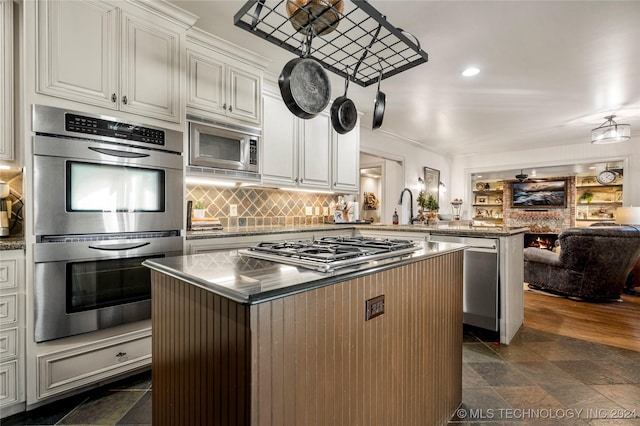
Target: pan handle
(415,39)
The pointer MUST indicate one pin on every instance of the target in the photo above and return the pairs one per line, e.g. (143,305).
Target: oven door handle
(118,247)
(116,153)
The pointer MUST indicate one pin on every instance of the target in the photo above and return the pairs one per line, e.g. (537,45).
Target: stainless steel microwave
(224,147)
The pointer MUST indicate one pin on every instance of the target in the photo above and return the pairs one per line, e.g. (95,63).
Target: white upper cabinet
(279,143)
(7,151)
(111,57)
(307,153)
(346,161)
(224,81)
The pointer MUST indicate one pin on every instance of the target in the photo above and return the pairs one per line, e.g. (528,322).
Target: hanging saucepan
(304,85)
(378,109)
(344,114)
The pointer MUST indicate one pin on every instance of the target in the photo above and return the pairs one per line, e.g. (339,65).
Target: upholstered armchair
(593,262)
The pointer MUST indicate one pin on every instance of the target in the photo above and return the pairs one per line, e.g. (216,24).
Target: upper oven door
(217,147)
(86,187)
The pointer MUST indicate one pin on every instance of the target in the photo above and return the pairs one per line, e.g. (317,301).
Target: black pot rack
(362,44)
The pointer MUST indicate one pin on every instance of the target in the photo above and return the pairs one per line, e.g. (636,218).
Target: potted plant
(428,206)
(586,196)
(198,209)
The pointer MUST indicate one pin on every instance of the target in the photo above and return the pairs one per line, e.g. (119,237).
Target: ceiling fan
(522,176)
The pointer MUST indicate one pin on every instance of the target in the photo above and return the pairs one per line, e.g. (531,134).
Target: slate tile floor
(539,379)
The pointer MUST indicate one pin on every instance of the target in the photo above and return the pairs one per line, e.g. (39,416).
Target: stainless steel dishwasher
(481,288)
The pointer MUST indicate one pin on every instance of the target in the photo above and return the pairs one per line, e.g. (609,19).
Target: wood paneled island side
(260,343)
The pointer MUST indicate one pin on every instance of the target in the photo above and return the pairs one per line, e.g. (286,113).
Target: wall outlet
(233,210)
(374,307)
(308,211)
(317,211)
(325,211)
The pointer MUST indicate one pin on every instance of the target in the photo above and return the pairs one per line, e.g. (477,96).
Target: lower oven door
(86,286)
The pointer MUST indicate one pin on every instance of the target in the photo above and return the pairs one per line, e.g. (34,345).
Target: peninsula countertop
(250,281)
(477,231)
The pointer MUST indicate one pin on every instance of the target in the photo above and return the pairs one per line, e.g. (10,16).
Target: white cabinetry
(221,81)
(6,80)
(125,58)
(65,370)
(302,153)
(12,332)
(346,161)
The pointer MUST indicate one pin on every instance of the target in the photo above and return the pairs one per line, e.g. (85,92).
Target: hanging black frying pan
(378,108)
(304,84)
(344,114)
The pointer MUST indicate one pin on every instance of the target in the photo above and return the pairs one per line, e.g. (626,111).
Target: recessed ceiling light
(469,72)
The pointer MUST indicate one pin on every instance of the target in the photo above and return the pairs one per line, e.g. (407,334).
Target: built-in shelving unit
(488,200)
(601,205)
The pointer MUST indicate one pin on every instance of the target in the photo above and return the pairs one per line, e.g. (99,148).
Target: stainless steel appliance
(223,149)
(107,196)
(481,288)
(327,254)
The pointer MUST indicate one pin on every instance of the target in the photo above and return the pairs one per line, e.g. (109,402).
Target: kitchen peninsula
(245,341)
(500,246)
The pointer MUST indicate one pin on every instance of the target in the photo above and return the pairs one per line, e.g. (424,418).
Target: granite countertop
(12,243)
(478,231)
(247,280)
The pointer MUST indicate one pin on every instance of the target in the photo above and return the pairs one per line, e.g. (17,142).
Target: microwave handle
(117,153)
(118,247)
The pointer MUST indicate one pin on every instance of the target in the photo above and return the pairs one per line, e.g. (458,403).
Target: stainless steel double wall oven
(107,195)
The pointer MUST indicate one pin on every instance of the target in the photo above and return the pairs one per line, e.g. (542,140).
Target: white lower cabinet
(12,333)
(69,369)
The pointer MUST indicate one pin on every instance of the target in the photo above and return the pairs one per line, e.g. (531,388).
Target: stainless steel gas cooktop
(329,253)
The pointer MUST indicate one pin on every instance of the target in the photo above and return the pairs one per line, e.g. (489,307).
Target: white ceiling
(550,70)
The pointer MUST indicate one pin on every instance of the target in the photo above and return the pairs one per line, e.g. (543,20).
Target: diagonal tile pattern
(539,379)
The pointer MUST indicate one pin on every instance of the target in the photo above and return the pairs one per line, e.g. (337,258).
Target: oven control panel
(113,129)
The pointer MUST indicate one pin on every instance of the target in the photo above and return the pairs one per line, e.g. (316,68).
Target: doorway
(380,177)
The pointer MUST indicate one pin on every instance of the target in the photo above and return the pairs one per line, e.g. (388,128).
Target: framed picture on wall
(432,182)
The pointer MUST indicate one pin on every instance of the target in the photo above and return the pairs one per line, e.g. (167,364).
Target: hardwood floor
(611,323)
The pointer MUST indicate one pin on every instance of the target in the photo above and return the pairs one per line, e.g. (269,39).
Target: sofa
(593,262)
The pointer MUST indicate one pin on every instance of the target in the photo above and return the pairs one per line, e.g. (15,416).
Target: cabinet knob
(224,106)
(124,100)
(301,180)
(114,97)
(230,108)
(296,180)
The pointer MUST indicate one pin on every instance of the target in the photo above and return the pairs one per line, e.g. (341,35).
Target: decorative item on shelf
(199,209)
(586,197)
(487,186)
(370,201)
(480,186)
(522,176)
(481,200)
(610,132)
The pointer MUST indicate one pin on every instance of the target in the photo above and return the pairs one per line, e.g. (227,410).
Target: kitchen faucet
(410,203)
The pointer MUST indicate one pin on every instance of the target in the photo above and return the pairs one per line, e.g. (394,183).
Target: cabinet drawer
(8,305)
(71,369)
(8,383)
(8,275)
(8,343)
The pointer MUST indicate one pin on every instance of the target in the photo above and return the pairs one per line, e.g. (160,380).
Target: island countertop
(249,281)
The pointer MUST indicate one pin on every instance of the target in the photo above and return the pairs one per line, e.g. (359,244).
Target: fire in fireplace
(543,241)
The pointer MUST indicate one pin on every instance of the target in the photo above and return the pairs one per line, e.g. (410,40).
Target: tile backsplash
(261,206)
(14,179)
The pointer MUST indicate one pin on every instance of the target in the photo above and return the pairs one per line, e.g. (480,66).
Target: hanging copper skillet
(323,15)
(344,114)
(378,109)
(304,84)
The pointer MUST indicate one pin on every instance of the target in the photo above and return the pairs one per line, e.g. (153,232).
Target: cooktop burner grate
(329,253)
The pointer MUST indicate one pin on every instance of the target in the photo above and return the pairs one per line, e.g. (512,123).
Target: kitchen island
(244,341)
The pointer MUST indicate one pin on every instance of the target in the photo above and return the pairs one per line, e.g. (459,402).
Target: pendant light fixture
(611,132)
